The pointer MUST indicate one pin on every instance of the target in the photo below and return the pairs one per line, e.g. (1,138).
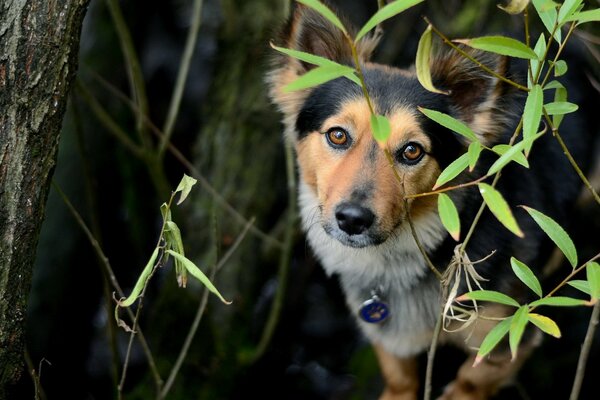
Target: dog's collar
(374,310)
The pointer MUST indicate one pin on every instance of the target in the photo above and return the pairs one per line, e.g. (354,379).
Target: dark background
(232,135)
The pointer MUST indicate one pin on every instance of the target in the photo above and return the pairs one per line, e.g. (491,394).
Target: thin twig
(448,188)
(431,354)
(184,67)
(585,352)
(432,267)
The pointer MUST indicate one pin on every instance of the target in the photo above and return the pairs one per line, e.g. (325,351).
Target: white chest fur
(395,268)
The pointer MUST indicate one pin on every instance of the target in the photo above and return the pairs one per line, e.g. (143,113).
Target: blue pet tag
(374,310)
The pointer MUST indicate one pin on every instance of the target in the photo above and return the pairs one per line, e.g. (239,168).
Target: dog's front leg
(400,375)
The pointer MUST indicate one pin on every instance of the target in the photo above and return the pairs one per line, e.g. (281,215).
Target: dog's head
(359,195)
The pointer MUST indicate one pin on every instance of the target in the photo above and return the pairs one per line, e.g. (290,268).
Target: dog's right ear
(309,32)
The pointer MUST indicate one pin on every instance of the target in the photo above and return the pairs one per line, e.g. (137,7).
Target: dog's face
(359,188)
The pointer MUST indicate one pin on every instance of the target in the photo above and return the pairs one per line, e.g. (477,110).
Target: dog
(353,207)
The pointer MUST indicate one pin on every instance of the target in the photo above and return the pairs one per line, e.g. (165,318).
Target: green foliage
(380,127)
(500,208)
(500,45)
(386,12)
(526,275)
(450,122)
(325,12)
(449,215)
(452,171)
(423,61)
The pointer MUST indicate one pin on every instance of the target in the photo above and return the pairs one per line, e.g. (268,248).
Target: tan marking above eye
(337,136)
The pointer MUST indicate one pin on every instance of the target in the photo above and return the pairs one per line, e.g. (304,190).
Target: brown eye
(337,137)
(411,153)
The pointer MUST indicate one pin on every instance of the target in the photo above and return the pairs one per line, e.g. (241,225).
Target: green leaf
(556,233)
(449,215)
(384,13)
(451,171)
(515,6)
(185,187)
(581,285)
(553,85)
(545,324)
(517,327)
(567,9)
(423,60)
(560,68)
(500,45)
(549,16)
(165,212)
(586,16)
(560,95)
(558,301)
(381,128)
(593,278)
(539,50)
(175,242)
(526,275)
(141,282)
(494,336)
(473,154)
(514,154)
(198,274)
(499,207)
(325,12)
(532,113)
(491,296)
(449,122)
(318,76)
(560,107)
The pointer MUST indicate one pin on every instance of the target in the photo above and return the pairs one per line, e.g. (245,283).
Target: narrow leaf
(473,154)
(422,62)
(556,233)
(318,76)
(581,285)
(499,207)
(325,12)
(558,301)
(539,50)
(449,122)
(517,327)
(532,113)
(185,187)
(593,278)
(449,215)
(165,212)
(545,324)
(514,154)
(548,15)
(384,13)
(452,170)
(560,107)
(141,282)
(489,295)
(526,275)
(586,16)
(381,128)
(198,274)
(306,57)
(560,95)
(500,45)
(567,9)
(494,336)
(515,6)
(175,243)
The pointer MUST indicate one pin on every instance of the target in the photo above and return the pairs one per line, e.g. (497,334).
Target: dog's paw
(463,391)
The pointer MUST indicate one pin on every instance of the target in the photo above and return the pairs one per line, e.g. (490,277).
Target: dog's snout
(353,219)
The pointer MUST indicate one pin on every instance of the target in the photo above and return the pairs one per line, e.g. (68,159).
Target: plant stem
(448,188)
(585,352)
(431,354)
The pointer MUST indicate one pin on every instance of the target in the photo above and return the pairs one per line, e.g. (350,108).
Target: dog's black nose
(353,219)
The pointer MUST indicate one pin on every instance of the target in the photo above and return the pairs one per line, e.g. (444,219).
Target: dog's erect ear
(310,32)
(476,97)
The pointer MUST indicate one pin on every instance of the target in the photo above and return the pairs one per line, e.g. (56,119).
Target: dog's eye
(337,137)
(411,153)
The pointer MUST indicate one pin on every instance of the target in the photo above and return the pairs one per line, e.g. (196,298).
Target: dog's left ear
(476,97)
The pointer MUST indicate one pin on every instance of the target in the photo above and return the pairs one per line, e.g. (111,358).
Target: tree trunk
(39,42)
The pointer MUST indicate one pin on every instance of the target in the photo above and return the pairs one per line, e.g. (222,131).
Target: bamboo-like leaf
(516,155)
(539,50)
(556,233)
(185,187)
(452,170)
(581,285)
(450,122)
(560,108)
(499,207)
(386,12)
(548,15)
(545,324)
(515,6)
(585,16)
(489,295)
(558,301)
(141,282)
(473,154)
(422,62)
(567,9)
(532,113)
(198,274)
(318,76)
(526,275)
(494,336)
(325,12)
(560,68)
(500,45)
(517,328)
(381,128)
(165,212)
(175,242)
(449,215)
(560,95)
(593,278)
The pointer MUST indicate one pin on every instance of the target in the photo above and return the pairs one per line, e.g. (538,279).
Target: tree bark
(39,41)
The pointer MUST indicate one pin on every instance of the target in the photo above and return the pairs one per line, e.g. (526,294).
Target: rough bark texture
(39,40)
